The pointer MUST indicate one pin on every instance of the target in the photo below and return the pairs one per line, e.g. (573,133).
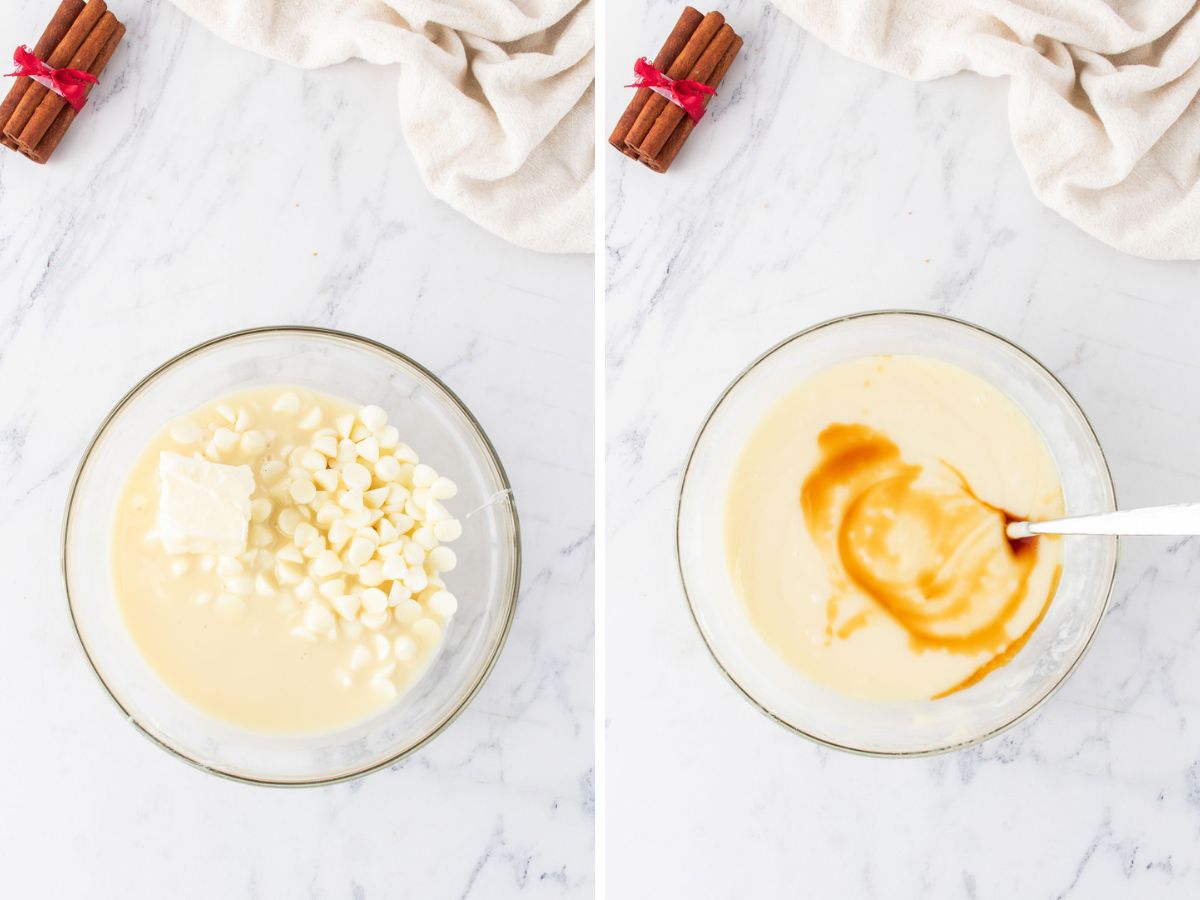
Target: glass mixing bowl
(913,728)
(430,418)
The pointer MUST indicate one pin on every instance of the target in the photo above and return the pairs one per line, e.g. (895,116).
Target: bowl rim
(510,601)
(833,745)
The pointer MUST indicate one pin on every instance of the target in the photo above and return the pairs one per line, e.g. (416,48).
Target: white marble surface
(210,190)
(819,187)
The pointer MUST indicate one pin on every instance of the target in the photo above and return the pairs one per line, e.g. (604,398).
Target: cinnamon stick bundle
(83,36)
(68,11)
(652,128)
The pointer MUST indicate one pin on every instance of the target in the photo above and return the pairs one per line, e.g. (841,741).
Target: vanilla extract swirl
(921,544)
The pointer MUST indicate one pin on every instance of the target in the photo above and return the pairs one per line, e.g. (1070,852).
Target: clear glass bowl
(431,418)
(895,729)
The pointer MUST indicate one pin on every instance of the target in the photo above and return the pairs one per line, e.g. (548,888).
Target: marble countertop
(209,190)
(820,187)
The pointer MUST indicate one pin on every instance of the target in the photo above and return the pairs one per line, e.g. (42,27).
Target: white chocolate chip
(408,611)
(241,585)
(327,479)
(303,491)
(441,559)
(371,574)
(326,564)
(388,437)
(424,538)
(356,476)
(185,432)
(253,443)
(287,521)
(225,439)
(384,687)
(394,568)
(288,403)
(383,647)
(359,518)
(260,509)
(312,419)
(318,619)
(304,533)
(332,589)
(326,444)
(448,530)
(244,421)
(312,460)
(374,600)
(416,580)
(179,567)
(339,533)
(271,470)
(347,605)
(387,469)
(405,648)
(444,604)
(373,417)
(228,566)
(368,449)
(329,513)
(443,489)
(426,629)
(345,425)
(398,594)
(359,657)
(360,551)
(290,554)
(424,476)
(288,573)
(375,498)
(406,454)
(374,621)
(435,512)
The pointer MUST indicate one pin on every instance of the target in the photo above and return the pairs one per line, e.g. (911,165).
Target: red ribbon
(689,95)
(70,84)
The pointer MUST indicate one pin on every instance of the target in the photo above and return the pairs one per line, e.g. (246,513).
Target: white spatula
(1180,519)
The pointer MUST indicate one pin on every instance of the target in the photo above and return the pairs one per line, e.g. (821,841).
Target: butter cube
(205,506)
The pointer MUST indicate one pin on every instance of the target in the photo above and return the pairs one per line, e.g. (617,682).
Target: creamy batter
(277,557)
(865,528)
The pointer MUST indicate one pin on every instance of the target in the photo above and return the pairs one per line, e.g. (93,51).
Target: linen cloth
(1102,104)
(496,96)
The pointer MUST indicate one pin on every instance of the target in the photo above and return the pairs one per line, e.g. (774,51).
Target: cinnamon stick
(93,11)
(68,11)
(689,20)
(671,148)
(708,28)
(669,119)
(52,104)
(54,134)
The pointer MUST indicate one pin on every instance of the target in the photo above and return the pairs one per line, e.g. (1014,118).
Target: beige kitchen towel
(1103,97)
(496,97)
